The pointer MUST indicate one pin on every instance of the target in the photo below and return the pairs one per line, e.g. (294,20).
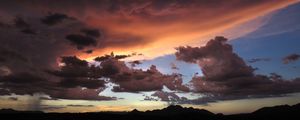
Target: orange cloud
(155,32)
(155,27)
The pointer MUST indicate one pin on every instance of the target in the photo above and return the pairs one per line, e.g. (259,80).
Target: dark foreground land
(282,112)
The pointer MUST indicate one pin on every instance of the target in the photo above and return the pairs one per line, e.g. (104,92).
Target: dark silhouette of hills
(173,112)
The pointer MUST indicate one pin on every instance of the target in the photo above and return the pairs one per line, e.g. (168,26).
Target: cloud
(72,105)
(211,58)
(78,82)
(11,54)
(134,63)
(29,31)
(80,94)
(254,60)
(51,107)
(72,82)
(19,22)
(137,80)
(32,44)
(111,56)
(88,51)
(131,25)
(168,96)
(22,83)
(54,18)
(291,58)
(75,74)
(13,98)
(226,75)
(91,32)
(81,41)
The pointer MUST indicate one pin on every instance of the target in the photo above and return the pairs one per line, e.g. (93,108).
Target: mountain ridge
(175,112)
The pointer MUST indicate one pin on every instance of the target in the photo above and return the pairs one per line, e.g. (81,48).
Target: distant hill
(173,112)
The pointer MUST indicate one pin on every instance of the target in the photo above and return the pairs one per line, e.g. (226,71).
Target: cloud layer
(45,48)
(136,25)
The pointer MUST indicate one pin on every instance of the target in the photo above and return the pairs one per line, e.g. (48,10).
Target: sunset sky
(226,56)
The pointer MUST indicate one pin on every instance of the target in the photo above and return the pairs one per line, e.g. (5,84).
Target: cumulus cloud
(291,58)
(136,80)
(69,83)
(226,75)
(32,44)
(169,97)
(216,59)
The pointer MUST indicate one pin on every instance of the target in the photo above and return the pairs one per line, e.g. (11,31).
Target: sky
(118,55)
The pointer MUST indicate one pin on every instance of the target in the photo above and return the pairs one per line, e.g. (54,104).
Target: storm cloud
(226,76)
(132,24)
(58,48)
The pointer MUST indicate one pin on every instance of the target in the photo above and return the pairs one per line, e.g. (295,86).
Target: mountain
(173,112)
(176,110)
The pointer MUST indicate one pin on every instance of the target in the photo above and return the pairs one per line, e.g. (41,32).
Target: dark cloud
(29,31)
(136,80)
(111,56)
(40,50)
(72,67)
(77,73)
(69,83)
(134,63)
(254,60)
(72,105)
(24,26)
(6,54)
(116,19)
(4,92)
(216,60)
(13,98)
(121,56)
(291,58)
(226,76)
(51,107)
(22,78)
(30,56)
(88,51)
(81,41)
(91,32)
(19,22)
(80,94)
(54,18)
(79,82)
(22,83)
